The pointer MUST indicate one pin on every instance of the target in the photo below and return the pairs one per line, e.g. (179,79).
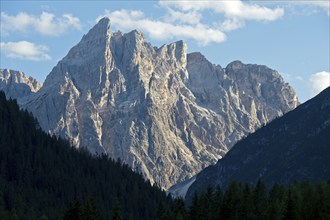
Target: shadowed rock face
(294,147)
(165,113)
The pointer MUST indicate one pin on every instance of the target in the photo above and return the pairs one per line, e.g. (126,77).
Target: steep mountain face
(41,175)
(295,146)
(165,113)
(17,85)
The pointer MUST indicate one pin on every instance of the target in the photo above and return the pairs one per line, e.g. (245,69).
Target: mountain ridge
(17,85)
(166,113)
(41,175)
(293,147)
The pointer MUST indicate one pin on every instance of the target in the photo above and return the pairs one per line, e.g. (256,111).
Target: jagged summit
(100,30)
(236,64)
(165,113)
(104,22)
(17,85)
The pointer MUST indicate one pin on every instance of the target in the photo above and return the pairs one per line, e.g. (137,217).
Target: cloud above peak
(230,9)
(311,5)
(46,23)
(191,20)
(161,30)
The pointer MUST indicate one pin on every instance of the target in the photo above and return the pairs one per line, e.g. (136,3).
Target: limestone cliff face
(244,96)
(17,85)
(294,147)
(166,113)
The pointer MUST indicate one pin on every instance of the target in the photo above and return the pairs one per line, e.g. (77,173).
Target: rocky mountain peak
(134,43)
(103,23)
(264,83)
(101,29)
(235,65)
(294,147)
(135,34)
(165,113)
(176,52)
(17,85)
(195,56)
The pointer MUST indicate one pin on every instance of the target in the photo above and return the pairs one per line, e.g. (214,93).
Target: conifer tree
(90,212)
(116,211)
(74,211)
(180,212)
(216,204)
(161,213)
(260,200)
(194,209)
(232,201)
(277,202)
(246,210)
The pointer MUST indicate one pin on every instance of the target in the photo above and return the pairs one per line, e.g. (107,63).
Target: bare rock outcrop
(166,113)
(17,85)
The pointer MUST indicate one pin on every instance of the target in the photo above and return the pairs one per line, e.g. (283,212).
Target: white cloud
(203,21)
(319,81)
(46,23)
(190,17)
(235,12)
(24,50)
(323,4)
(231,24)
(127,20)
(303,7)
(231,9)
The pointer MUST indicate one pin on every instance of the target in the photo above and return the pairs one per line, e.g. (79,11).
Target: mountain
(166,113)
(17,85)
(40,175)
(291,148)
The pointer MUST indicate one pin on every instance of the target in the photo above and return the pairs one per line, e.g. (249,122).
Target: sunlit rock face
(17,85)
(166,113)
(291,148)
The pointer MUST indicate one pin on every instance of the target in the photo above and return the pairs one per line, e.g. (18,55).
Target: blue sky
(289,36)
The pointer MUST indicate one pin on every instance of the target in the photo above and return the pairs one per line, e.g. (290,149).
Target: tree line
(42,177)
(298,201)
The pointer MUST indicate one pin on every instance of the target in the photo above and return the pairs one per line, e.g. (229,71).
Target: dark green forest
(298,201)
(43,177)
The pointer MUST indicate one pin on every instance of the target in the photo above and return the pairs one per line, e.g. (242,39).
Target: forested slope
(41,175)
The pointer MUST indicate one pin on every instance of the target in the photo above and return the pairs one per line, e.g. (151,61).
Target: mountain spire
(166,114)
